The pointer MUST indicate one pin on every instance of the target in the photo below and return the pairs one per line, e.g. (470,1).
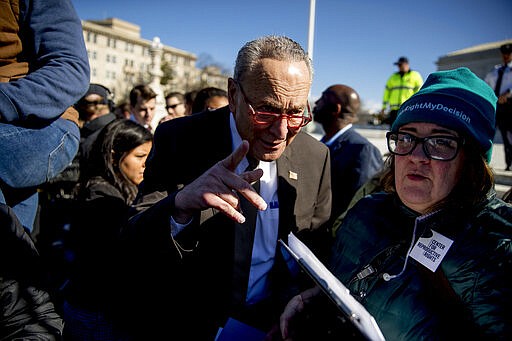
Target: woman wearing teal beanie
(430,256)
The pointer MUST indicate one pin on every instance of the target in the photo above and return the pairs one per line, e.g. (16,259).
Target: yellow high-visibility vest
(399,88)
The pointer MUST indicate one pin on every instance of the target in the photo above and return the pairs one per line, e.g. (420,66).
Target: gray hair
(274,47)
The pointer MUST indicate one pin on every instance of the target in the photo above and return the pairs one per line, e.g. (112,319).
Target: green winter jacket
(399,88)
(470,295)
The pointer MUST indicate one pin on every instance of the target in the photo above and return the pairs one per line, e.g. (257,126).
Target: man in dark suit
(217,257)
(354,159)
(500,80)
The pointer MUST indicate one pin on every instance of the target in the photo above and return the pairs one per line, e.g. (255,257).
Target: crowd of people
(132,231)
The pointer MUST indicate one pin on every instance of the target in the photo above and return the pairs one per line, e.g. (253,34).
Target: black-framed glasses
(172,106)
(438,147)
(266,118)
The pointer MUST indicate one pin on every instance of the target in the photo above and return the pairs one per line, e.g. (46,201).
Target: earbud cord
(387,277)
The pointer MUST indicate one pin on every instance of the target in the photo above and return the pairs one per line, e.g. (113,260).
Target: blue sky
(355,42)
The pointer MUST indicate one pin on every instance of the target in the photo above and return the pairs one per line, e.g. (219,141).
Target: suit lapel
(288,181)
(217,142)
(340,141)
(218,139)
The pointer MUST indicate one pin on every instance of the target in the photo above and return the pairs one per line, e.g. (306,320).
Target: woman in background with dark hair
(117,161)
(114,170)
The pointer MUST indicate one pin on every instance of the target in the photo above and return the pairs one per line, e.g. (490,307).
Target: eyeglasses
(172,106)
(443,148)
(266,118)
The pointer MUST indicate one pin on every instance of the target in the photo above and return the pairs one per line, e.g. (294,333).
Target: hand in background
(294,307)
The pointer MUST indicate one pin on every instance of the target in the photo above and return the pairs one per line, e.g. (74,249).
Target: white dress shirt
(267,225)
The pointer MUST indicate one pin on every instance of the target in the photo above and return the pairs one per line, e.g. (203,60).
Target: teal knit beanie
(456,99)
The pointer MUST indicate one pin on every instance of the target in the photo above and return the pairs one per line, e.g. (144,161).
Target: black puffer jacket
(93,240)
(469,295)
(26,310)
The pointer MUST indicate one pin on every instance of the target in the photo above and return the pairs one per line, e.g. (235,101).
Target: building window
(128,47)
(111,42)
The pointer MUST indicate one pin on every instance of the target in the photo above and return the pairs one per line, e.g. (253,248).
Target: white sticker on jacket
(431,251)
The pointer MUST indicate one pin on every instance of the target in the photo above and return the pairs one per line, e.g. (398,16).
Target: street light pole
(311,28)
(311,127)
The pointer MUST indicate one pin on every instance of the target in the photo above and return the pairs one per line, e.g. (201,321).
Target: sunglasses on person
(172,106)
(267,118)
(439,147)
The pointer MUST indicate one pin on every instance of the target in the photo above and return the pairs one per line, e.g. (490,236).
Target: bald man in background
(354,159)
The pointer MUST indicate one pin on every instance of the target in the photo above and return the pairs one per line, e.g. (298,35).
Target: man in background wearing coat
(354,159)
(500,80)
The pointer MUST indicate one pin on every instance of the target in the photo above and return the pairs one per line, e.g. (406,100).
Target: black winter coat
(469,294)
(26,309)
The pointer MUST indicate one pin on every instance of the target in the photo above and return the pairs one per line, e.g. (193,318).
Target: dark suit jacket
(210,282)
(354,161)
